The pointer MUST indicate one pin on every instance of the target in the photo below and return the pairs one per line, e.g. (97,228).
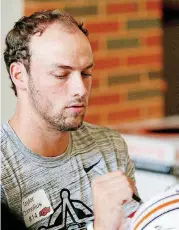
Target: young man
(52,162)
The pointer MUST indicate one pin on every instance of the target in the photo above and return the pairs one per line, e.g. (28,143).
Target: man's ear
(18,75)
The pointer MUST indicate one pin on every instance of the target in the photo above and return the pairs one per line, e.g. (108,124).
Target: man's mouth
(77,108)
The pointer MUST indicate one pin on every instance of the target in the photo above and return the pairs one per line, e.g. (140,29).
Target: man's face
(60,77)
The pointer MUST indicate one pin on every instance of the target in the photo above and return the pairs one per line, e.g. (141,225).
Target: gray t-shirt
(55,192)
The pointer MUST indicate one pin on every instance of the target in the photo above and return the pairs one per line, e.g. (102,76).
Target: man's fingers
(108,176)
(116,187)
(116,179)
(110,192)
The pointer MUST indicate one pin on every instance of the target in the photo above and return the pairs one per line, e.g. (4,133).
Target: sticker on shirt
(36,207)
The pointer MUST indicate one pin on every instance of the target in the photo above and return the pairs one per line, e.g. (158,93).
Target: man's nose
(77,85)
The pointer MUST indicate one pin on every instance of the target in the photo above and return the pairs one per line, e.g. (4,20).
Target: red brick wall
(126,37)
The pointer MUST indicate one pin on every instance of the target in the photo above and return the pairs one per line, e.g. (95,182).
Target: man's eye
(85,75)
(60,76)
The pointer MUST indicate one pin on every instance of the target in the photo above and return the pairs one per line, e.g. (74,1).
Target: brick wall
(126,37)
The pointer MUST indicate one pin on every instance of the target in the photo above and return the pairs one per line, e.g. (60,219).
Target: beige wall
(11,11)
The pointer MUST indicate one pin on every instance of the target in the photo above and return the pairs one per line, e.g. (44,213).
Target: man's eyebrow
(90,66)
(69,67)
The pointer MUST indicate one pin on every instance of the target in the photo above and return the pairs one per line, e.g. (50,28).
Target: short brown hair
(17,40)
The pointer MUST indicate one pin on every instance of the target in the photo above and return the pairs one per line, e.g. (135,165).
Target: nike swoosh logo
(89,168)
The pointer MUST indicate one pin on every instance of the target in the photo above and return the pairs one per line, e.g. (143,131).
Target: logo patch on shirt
(36,207)
(92,166)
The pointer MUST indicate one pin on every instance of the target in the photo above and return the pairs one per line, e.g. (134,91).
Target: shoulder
(6,143)
(3,132)
(4,136)
(96,129)
(100,133)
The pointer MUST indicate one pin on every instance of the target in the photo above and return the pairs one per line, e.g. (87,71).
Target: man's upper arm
(130,168)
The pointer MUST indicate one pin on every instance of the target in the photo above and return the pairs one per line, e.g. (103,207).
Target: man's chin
(75,127)
(71,126)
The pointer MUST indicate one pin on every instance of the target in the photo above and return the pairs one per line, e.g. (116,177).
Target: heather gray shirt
(55,192)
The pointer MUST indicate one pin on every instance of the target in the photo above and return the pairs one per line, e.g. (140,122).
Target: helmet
(159,213)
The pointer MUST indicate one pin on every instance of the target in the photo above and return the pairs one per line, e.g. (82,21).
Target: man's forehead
(57,39)
(61,48)
(58,31)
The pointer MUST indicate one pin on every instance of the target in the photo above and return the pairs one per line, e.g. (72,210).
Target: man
(52,162)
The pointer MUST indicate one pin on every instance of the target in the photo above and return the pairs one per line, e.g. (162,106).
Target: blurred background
(135,80)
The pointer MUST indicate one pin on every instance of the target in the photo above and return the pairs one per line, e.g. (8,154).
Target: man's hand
(109,193)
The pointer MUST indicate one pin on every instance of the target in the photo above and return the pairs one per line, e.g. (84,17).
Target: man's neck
(38,139)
